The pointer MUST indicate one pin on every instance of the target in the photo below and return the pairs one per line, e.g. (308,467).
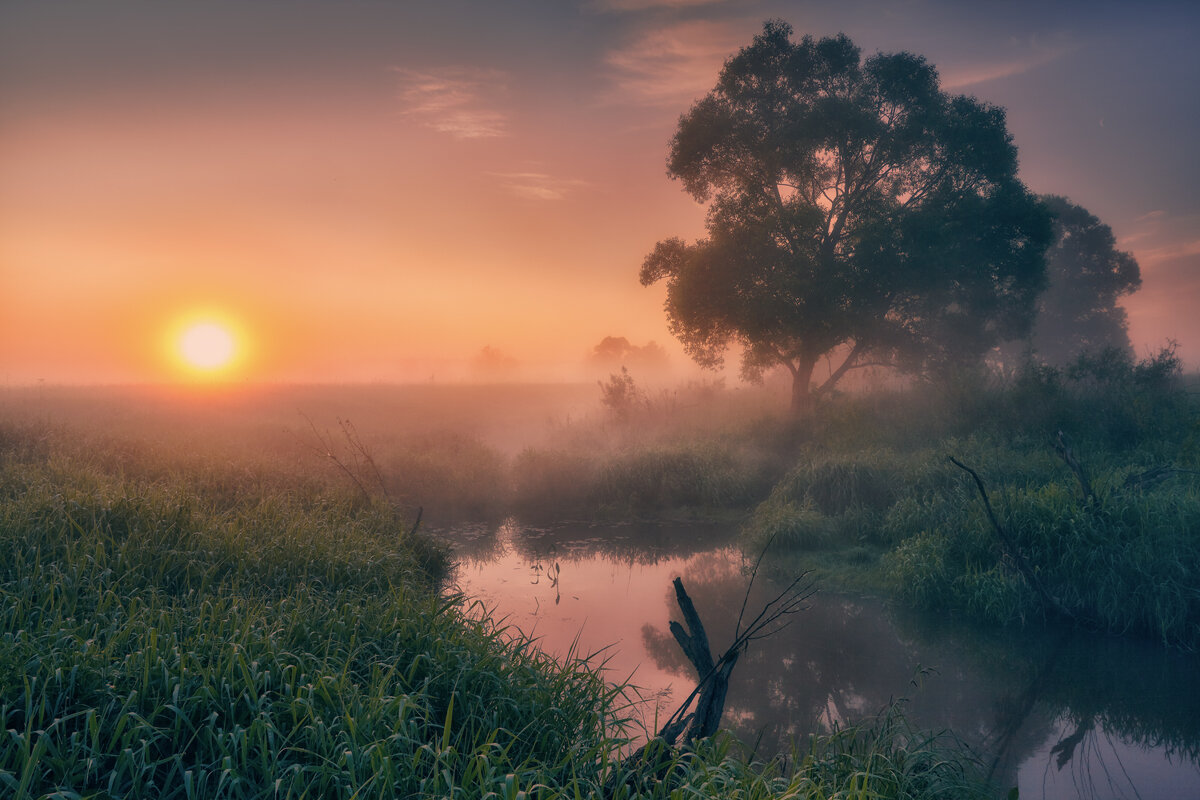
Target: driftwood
(686,725)
(714,676)
(713,685)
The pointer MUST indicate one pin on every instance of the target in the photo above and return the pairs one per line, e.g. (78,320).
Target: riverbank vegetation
(188,633)
(1100,533)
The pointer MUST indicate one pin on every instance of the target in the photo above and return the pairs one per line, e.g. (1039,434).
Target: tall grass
(879,758)
(1127,561)
(167,639)
(154,646)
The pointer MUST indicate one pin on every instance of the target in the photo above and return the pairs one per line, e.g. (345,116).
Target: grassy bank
(875,503)
(166,640)
(167,637)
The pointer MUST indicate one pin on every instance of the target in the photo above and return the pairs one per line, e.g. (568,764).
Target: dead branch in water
(713,685)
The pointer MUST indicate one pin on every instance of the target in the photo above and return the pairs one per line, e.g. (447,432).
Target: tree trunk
(802,397)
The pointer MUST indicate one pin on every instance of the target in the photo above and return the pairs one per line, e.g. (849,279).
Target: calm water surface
(1060,715)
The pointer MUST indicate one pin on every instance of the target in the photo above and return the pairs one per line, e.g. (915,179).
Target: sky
(377,190)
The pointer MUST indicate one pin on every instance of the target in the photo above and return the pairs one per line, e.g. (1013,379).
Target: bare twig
(326,451)
(359,466)
(362,454)
(737,630)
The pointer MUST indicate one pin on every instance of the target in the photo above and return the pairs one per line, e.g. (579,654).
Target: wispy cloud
(642,5)
(537,185)
(960,77)
(674,64)
(454,100)
(1148,226)
(1159,238)
(1168,251)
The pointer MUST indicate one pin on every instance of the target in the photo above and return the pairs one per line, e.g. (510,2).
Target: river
(1058,714)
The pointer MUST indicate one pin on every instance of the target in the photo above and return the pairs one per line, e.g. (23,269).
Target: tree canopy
(1086,274)
(617,351)
(855,209)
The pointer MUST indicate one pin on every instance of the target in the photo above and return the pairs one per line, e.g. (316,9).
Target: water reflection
(1061,715)
(1084,715)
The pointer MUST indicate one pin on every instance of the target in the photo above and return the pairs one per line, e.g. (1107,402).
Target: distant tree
(855,210)
(491,363)
(617,351)
(1086,273)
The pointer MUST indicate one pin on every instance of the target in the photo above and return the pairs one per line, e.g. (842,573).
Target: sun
(207,345)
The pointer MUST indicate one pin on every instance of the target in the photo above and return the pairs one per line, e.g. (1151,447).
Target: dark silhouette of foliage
(1086,275)
(855,209)
(617,351)
(492,363)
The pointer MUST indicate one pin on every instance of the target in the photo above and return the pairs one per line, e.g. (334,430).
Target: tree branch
(1154,476)
(836,375)
(780,205)
(1014,552)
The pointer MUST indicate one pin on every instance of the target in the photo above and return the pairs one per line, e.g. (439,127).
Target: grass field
(180,631)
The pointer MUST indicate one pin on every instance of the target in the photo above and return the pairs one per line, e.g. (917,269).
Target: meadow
(230,595)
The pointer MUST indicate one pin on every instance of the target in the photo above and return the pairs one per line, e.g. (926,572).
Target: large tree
(856,210)
(1087,274)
